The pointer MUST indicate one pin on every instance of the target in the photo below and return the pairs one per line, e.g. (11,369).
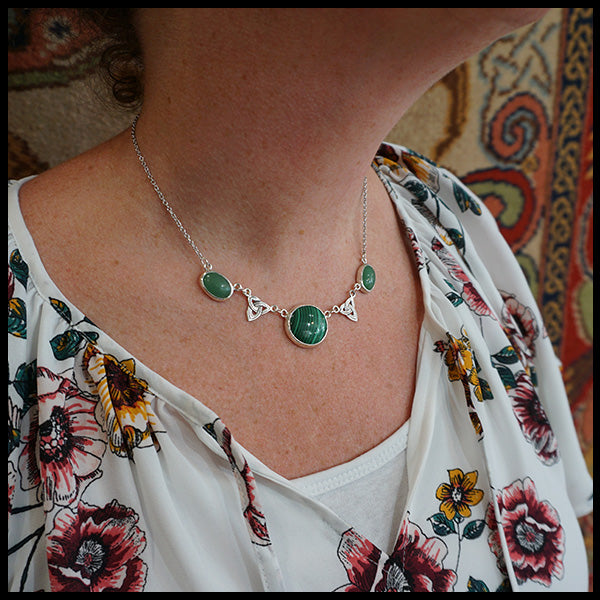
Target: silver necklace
(306,324)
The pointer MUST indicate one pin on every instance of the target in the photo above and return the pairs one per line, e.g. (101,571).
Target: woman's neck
(259,124)
(289,138)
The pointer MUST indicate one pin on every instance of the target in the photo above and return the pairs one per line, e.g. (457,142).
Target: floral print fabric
(118,481)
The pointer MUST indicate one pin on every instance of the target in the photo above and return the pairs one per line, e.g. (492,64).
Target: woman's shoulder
(438,194)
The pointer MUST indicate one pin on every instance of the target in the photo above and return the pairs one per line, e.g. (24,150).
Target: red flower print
(416,565)
(521,327)
(361,561)
(63,447)
(12,482)
(96,550)
(469,293)
(474,301)
(423,559)
(416,248)
(532,530)
(253,515)
(533,420)
(11,283)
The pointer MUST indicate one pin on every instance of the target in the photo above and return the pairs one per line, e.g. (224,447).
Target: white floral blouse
(119,481)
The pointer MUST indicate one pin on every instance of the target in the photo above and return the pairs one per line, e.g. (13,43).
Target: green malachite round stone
(217,286)
(367,277)
(307,325)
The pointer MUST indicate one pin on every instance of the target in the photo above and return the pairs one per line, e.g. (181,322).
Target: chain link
(205,262)
(238,287)
(364,223)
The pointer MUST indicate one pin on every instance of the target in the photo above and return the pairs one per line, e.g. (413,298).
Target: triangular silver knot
(348,309)
(256,308)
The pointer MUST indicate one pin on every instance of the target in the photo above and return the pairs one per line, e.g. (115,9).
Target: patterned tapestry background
(514,122)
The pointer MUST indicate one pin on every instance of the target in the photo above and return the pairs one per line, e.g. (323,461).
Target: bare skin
(259,125)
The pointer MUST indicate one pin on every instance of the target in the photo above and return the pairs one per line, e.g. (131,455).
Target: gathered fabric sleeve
(495,253)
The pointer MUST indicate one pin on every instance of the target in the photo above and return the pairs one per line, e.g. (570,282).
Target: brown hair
(121,58)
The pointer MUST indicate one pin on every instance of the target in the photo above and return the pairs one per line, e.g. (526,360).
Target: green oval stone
(307,325)
(368,277)
(217,286)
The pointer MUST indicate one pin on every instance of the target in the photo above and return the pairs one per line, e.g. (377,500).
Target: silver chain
(238,287)
(364,222)
(205,263)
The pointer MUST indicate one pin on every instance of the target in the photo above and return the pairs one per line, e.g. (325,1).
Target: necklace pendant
(306,325)
(256,308)
(348,309)
(216,286)
(365,277)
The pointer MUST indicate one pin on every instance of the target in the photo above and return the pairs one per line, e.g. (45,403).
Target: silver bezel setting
(209,294)
(293,338)
(359,278)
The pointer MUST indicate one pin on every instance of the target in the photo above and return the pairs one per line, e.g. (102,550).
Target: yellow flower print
(124,402)
(458,358)
(457,496)
(461,364)
(423,169)
(474,380)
